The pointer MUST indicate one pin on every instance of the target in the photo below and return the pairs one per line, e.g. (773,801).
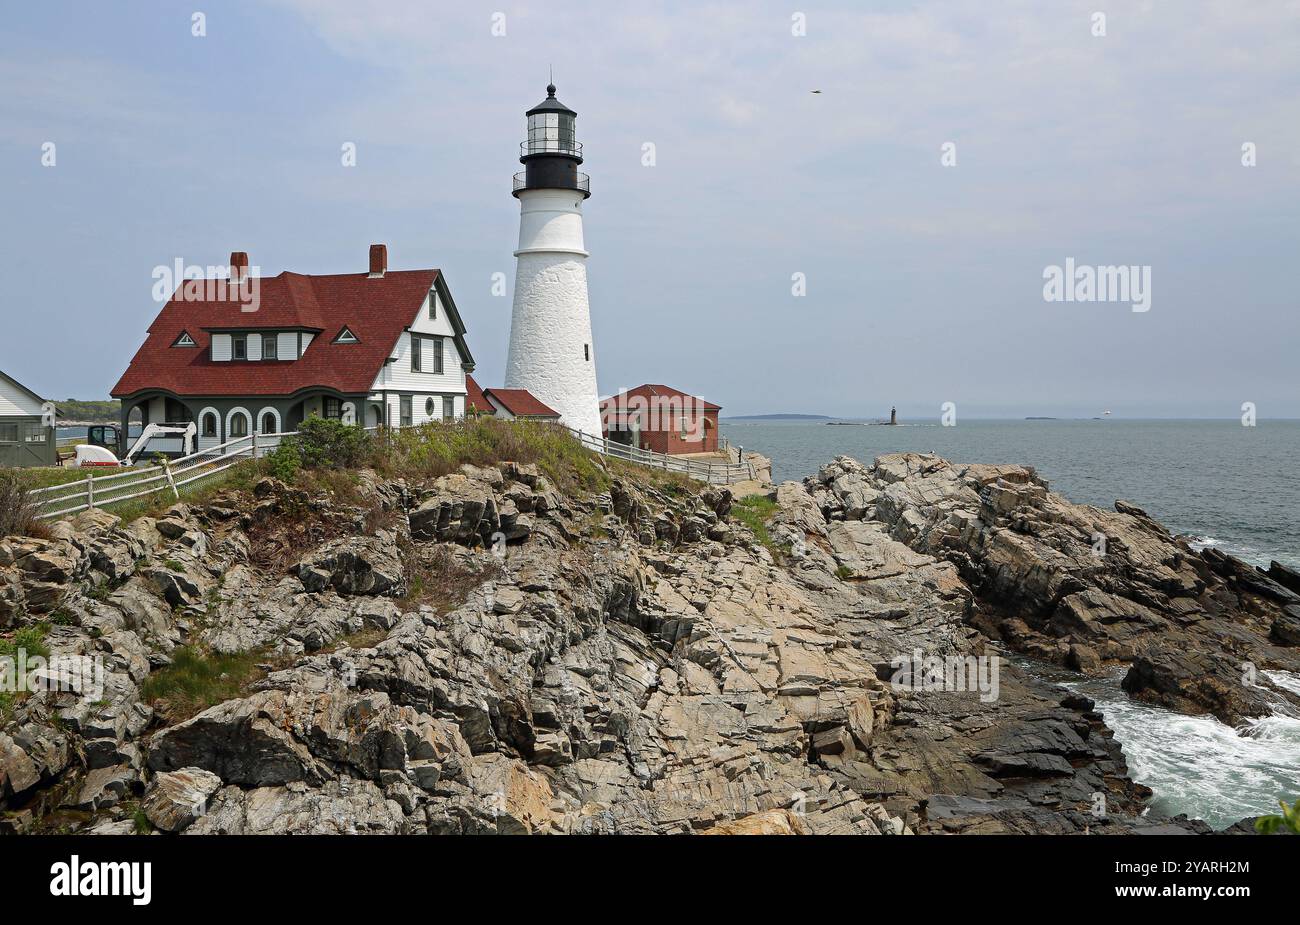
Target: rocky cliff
(486,654)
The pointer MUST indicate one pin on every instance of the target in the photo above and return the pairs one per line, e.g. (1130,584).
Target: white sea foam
(1285,679)
(1198,765)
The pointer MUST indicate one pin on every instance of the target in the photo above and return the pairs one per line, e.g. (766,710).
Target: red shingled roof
(651,392)
(475,398)
(521,403)
(376,310)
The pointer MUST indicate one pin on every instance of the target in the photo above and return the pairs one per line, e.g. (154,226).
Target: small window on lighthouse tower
(586,352)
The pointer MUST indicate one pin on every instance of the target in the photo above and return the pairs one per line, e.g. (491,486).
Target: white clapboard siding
(306,341)
(220,347)
(15,401)
(438,324)
(399,375)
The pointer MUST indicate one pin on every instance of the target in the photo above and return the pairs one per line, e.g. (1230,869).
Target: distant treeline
(75,410)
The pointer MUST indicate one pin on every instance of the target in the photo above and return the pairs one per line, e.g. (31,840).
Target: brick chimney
(378,260)
(238,266)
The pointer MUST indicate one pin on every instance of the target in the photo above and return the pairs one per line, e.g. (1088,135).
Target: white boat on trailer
(171,439)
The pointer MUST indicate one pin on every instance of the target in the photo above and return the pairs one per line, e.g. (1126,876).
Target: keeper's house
(248,355)
(25,437)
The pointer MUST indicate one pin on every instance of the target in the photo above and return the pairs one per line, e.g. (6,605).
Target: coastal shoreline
(748,655)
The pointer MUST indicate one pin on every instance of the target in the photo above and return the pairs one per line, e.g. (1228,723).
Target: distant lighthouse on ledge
(551,353)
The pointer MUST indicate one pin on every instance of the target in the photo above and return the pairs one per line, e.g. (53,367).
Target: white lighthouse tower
(551,353)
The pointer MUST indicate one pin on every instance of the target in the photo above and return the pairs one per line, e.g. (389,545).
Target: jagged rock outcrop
(175,799)
(1078,585)
(484,654)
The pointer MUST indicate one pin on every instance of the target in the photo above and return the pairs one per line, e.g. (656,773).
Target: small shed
(27,434)
(512,404)
(661,418)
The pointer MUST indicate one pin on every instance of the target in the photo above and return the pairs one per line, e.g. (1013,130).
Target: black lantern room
(552,153)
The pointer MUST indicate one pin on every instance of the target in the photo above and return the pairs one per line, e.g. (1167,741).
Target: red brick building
(661,418)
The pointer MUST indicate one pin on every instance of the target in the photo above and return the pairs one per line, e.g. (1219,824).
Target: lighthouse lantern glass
(551,131)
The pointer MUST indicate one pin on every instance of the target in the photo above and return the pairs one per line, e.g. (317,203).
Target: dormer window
(270,345)
(239,347)
(184,340)
(346,337)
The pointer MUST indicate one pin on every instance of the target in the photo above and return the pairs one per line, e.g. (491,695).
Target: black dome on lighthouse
(550,104)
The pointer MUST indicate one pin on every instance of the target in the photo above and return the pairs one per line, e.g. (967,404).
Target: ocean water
(1236,488)
(1196,764)
(1233,487)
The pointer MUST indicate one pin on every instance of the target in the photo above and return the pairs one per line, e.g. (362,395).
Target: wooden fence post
(90,491)
(167,470)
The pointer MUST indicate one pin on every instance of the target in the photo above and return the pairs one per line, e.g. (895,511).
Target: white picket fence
(99,491)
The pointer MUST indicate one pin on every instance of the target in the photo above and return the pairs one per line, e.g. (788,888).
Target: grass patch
(675,484)
(755,512)
(242,475)
(438,448)
(140,822)
(441,579)
(326,454)
(843,572)
(29,639)
(196,680)
(45,476)
(365,638)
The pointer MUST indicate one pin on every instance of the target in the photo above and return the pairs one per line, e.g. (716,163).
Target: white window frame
(230,417)
(262,414)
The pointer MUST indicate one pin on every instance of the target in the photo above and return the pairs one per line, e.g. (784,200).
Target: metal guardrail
(712,473)
(98,491)
(582,183)
(550,146)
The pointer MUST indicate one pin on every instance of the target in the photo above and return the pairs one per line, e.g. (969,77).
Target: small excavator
(173,440)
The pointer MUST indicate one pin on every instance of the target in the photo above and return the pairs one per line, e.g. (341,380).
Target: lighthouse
(551,353)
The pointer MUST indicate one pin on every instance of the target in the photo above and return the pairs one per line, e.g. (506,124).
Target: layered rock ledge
(484,653)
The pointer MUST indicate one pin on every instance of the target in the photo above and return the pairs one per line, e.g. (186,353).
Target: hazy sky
(924,282)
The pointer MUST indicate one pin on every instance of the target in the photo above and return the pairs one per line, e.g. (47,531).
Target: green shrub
(17,509)
(140,822)
(323,443)
(283,462)
(1288,822)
